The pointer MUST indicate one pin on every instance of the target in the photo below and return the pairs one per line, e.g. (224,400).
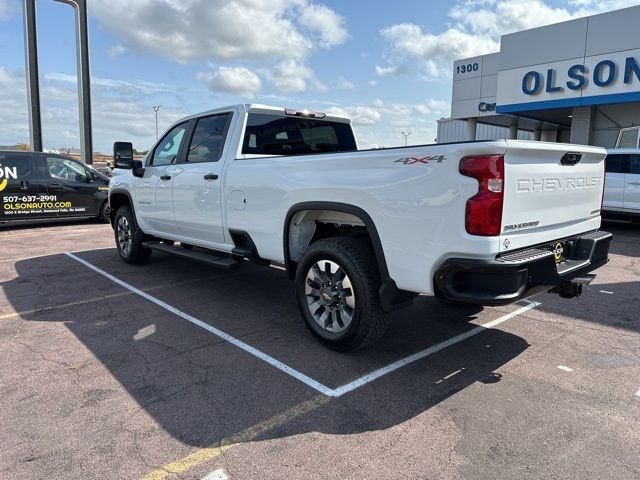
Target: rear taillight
(484,210)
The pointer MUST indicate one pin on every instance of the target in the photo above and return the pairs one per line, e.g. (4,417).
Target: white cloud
(379,123)
(435,52)
(117,50)
(127,88)
(476,29)
(115,116)
(344,84)
(325,23)
(258,32)
(235,80)
(14,126)
(7,9)
(190,30)
(359,115)
(291,76)
(384,71)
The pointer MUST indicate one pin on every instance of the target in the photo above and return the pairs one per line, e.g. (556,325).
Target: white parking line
(218,474)
(430,351)
(219,333)
(607,292)
(638,393)
(566,369)
(348,387)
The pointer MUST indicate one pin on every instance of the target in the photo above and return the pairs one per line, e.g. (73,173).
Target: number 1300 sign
(469,67)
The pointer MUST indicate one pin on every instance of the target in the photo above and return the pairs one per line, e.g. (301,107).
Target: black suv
(35,185)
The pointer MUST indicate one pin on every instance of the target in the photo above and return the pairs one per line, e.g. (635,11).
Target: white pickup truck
(363,232)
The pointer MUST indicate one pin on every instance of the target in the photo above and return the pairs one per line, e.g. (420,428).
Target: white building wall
(453,130)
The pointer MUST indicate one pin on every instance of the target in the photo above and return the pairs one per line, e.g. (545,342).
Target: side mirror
(138,169)
(123,155)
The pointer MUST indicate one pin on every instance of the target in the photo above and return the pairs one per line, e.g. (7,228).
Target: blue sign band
(570,102)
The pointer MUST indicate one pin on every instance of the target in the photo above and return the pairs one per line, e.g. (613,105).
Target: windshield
(279,135)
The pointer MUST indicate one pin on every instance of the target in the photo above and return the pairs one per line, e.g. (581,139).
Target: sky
(387,65)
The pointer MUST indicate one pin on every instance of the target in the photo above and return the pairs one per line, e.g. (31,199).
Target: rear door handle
(24,185)
(165,177)
(55,186)
(211,176)
(635,184)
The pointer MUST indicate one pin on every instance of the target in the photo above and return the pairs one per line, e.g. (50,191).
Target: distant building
(576,81)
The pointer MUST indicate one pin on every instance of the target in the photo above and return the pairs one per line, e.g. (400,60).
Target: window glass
(286,135)
(168,148)
(629,139)
(66,169)
(208,139)
(616,163)
(634,166)
(15,168)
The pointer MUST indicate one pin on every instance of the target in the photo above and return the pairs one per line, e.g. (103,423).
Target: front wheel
(129,237)
(337,284)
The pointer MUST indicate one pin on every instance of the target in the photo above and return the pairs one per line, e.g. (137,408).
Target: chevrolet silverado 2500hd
(363,232)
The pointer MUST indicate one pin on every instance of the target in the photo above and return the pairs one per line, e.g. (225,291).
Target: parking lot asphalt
(178,370)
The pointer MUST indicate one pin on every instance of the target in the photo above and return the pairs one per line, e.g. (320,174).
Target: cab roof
(268,109)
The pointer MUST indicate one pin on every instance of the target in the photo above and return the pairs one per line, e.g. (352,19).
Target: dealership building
(576,81)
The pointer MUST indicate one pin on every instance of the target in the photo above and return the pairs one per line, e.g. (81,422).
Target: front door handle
(55,186)
(635,184)
(211,176)
(165,177)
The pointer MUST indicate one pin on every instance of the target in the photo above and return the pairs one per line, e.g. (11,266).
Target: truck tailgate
(544,199)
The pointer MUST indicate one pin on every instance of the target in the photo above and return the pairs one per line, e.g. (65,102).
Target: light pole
(406,136)
(155,109)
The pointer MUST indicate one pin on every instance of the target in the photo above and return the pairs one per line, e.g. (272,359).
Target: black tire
(368,321)
(135,253)
(103,216)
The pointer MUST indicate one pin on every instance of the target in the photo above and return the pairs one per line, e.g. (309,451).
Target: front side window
(616,163)
(208,139)
(268,134)
(167,150)
(66,169)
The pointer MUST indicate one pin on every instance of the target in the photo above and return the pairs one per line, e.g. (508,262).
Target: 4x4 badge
(427,159)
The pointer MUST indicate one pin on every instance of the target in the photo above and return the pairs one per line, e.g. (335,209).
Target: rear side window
(208,138)
(16,167)
(628,139)
(617,163)
(634,165)
(283,135)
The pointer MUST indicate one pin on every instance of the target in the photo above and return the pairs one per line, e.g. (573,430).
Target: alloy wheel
(330,296)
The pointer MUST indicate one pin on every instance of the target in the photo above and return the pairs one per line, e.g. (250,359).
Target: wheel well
(305,226)
(117,200)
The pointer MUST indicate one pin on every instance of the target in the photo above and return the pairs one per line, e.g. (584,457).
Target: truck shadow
(200,389)
(615,303)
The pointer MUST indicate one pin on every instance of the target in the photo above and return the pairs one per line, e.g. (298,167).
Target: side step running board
(215,259)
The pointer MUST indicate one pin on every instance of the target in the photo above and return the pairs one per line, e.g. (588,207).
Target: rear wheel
(129,238)
(337,285)
(103,216)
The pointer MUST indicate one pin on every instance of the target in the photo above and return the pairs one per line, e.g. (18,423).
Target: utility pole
(155,109)
(406,136)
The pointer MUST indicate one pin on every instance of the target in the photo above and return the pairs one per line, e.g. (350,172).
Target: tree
(22,146)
